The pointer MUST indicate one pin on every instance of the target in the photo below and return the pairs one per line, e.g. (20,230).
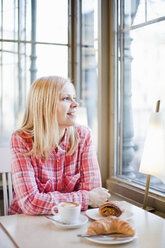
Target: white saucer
(57,221)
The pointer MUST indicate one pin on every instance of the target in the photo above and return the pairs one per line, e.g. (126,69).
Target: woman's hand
(98,196)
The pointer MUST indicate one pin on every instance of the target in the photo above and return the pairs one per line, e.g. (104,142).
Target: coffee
(69,204)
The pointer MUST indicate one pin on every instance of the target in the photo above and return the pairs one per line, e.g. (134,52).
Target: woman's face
(67,107)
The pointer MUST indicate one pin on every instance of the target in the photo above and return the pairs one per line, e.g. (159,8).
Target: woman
(53,160)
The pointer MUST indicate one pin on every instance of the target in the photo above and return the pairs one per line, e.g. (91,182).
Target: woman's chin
(72,123)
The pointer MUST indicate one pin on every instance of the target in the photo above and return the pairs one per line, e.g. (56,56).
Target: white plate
(57,221)
(94,214)
(110,240)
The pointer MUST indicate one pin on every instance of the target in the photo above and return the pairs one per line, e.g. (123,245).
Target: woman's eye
(66,98)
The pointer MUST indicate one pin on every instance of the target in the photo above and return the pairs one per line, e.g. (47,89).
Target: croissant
(110,208)
(110,225)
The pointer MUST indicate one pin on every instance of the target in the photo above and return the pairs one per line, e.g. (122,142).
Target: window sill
(134,194)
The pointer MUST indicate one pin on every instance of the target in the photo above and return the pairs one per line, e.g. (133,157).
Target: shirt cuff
(85,200)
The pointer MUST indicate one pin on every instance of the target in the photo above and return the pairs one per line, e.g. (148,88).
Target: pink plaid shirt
(39,184)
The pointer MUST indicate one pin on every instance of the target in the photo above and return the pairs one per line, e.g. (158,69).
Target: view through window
(33,43)
(142,53)
(89,62)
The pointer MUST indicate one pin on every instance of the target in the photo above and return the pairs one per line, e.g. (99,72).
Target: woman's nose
(74,103)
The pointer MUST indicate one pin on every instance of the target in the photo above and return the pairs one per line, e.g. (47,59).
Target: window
(141,52)
(34,43)
(36,40)
(87,57)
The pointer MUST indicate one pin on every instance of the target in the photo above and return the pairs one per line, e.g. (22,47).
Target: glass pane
(9,81)
(52,60)
(14,69)
(28,19)
(10,19)
(144,52)
(134,12)
(89,53)
(52,21)
(155,9)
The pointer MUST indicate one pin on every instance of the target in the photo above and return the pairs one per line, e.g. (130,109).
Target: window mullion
(1,61)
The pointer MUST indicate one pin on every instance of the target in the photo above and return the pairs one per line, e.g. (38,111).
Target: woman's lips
(71,113)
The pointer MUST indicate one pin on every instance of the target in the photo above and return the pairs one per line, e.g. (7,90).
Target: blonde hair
(40,118)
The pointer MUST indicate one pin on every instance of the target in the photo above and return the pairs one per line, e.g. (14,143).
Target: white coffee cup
(69,212)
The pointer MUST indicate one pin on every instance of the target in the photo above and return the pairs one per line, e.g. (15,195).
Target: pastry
(110,225)
(110,208)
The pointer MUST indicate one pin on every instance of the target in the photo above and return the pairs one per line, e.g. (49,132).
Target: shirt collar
(64,143)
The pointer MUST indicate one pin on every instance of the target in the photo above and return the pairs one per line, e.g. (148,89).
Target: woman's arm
(90,177)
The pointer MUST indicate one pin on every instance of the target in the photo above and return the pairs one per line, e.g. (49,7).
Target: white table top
(40,232)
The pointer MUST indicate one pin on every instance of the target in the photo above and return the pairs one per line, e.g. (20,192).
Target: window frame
(104,74)
(124,187)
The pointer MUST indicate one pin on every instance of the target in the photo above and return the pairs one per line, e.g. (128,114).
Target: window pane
(143,84)
(22,61)
(155,9)
(7,104)
(10,25)
(52,60)
(52,21)
(14,77)
(89,52)
(147,72)
(132,8)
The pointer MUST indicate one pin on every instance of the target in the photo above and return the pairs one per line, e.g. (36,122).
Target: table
(39,232)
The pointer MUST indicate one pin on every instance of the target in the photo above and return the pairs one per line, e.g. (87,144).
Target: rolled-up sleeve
(90,177)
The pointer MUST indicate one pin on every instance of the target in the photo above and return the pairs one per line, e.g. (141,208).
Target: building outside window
(141,53)
(87,56)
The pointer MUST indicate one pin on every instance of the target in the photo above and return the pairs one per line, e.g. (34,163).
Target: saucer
(57,221)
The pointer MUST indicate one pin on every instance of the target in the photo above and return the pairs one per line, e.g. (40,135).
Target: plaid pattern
(39,184)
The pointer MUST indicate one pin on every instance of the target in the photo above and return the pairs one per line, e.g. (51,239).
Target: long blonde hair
(40,118)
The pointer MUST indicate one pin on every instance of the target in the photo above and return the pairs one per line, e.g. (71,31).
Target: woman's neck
(61,134)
